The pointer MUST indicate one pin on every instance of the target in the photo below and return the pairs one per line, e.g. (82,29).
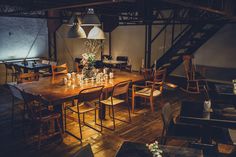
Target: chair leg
(40,134)
(100,123)
(12,114)
(59,127)
(6,77)
(133,99)
(187,88)
(113,117)
(127,103)
(80,129)
(151,104)
(129,112)
(65,118)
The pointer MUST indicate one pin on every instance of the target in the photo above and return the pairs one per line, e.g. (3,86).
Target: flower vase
(88,72)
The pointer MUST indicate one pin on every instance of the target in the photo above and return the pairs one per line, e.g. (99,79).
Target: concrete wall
(16,37)
(18,34)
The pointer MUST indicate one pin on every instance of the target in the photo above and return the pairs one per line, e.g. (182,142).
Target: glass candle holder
(234,84)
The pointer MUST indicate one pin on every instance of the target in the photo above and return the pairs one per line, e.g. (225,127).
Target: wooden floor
(145,127)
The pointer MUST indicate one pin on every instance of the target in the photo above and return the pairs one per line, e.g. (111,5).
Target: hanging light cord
(35,39)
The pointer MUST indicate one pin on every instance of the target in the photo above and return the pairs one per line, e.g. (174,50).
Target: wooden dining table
(54,91)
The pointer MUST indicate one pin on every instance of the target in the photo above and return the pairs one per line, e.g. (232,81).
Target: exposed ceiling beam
(191,5)
(80,5)
(65,6)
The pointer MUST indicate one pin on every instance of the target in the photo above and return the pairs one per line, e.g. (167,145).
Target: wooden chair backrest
(9,66)
(160,76)
(121,88)
(33,105)
(27,77)
(59,69)
(15,92)
(18,69)
(90,94)
(147,73)
(189,67)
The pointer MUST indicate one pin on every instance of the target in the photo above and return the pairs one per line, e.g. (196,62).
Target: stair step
(165,65)
(174,58)
(180,52)
(196,39)
(186,46)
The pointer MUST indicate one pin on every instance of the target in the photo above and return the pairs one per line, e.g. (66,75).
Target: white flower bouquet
(88,59)
(154,148)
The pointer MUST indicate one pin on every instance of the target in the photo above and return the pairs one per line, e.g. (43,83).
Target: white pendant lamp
(96,33)
(76,31)
(90,19)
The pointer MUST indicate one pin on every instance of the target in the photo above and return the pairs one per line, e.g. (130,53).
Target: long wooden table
(54,92)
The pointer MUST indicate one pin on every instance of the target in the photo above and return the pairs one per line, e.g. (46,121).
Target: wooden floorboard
(145,127)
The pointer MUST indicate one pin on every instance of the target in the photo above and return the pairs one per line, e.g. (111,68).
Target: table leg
(25,70)
(102,110)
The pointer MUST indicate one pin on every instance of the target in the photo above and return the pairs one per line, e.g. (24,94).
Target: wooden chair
(151,90)
(48,71)
(18,69)
(147,74)
(87,101)
(118,90)
(60,69)
(123,65)
(85,151)
(10,71)
(174,129)
(194,84)
(79,67)
(40,117)
(27,77)
(17,102)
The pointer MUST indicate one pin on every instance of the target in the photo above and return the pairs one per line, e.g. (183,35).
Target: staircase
(186,43)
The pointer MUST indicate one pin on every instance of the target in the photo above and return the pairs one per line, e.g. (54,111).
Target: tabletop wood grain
(55,91)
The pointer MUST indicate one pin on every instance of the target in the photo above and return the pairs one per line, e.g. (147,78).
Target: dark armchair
(123,65)
(78,64)
(172,128)
(109,57)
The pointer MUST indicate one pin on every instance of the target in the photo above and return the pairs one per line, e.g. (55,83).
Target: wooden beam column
(53,25)
(148,35)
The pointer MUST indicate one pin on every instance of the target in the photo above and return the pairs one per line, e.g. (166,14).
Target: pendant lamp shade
(96,33)
(76,31)
(90,19)
(73,20)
